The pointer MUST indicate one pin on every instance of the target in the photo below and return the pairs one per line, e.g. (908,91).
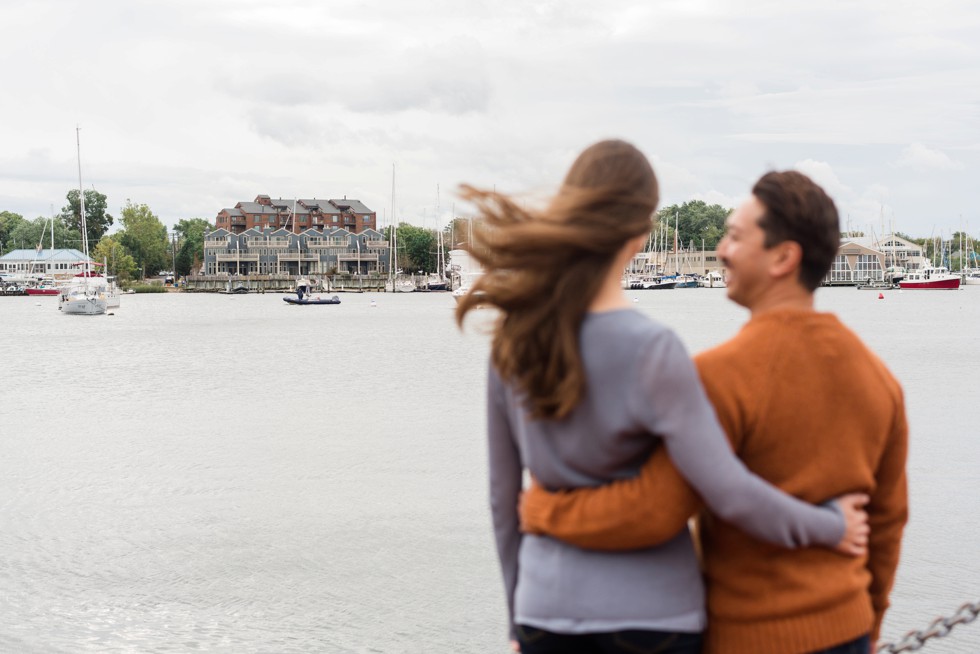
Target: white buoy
(373,304)
(636,299)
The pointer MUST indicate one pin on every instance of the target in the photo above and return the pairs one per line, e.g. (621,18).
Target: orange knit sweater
(808,407)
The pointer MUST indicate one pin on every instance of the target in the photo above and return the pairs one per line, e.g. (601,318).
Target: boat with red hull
(930,278)
(43,290)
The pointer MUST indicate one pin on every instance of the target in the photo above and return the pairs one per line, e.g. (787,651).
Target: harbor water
(220,473)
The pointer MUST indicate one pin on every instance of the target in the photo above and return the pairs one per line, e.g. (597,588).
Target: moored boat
(44,289)
(684,281)
(714,279)
(971,277)
(655,284)
(311,300)
(894,274)
(929,278)
(85,295)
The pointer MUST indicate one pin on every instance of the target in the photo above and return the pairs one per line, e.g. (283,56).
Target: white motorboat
(713,279)
(971,277)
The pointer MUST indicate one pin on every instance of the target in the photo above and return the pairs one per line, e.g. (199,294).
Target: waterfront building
(896,250)
(268,251)
(862,259)
(688,262)
(59,263)
(297,215)
(855,264)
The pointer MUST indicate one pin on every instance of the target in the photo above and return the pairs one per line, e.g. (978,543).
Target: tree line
(140,248)
(693,222)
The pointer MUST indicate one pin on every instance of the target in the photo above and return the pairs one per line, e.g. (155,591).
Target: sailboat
(395,284)
(438,281)
(43,284)
(86,293)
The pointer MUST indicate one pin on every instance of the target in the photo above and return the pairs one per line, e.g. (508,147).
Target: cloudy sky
(192,105)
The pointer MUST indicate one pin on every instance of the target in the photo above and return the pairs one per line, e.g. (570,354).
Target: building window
(840,272)
(868,266)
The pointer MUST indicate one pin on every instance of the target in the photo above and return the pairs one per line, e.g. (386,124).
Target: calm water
(231,474)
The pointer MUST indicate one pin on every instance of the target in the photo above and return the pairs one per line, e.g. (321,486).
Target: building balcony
(297,256)
(267,243)
(364,256)
(241,255)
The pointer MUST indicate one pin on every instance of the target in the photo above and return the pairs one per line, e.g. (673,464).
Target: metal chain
(939,628)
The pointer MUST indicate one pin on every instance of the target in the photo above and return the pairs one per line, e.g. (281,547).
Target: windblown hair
(542,269)
(797,209)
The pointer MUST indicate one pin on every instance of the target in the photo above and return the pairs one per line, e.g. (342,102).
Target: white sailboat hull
(86,296)
(84,305)
(404,286)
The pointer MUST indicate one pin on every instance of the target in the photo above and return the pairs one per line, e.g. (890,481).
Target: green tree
(117,258)
(97,220)
(28,233)
(695,220)
(416,248)
(190,252)
(8,223)
(145,237)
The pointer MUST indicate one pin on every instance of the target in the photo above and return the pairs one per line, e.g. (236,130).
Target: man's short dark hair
(798,210)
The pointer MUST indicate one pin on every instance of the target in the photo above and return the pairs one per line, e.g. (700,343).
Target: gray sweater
(642,388)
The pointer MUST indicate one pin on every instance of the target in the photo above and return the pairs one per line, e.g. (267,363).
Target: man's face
(744,254)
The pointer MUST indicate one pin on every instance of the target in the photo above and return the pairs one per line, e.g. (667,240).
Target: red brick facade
(351,215)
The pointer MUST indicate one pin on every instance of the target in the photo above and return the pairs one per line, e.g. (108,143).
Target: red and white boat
(45,287)
(930,278)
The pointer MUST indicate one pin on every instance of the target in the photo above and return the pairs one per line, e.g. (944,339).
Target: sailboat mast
(81,198)
(439,263)
(676,223)
(392,229)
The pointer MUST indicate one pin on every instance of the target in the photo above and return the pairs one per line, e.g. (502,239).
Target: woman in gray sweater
(581,390)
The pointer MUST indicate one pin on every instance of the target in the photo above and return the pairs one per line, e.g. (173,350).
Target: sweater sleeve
(887,514)
(669,401)
(644,511)
(506,473)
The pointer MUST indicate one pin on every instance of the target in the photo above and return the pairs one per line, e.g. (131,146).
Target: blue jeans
(860,646)
(539,641)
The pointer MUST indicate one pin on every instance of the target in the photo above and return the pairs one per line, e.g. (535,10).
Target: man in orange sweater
(806,406)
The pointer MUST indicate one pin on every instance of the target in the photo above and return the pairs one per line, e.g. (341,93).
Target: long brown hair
(542,269)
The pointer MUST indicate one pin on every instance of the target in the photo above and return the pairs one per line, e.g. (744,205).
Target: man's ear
(787,257)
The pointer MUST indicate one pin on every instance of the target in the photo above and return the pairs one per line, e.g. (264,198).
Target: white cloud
(723,199)
(192,105)
(822,173)
(921,157)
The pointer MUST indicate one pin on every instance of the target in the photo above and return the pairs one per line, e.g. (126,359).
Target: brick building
(297,215)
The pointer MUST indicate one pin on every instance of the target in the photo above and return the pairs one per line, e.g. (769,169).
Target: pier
(336,283)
